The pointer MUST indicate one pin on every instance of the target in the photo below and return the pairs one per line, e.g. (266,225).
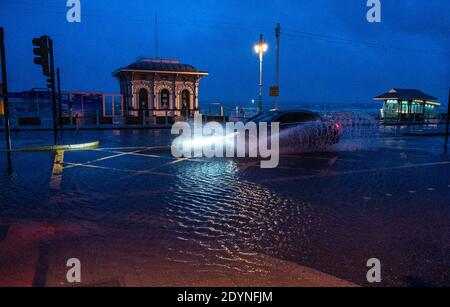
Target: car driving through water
(301,130)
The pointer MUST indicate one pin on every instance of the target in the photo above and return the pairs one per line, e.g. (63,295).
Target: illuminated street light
(260,49)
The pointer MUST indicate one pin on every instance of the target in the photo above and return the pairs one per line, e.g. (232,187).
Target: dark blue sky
(324,55)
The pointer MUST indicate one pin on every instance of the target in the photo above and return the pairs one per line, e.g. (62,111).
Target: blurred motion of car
(301,129)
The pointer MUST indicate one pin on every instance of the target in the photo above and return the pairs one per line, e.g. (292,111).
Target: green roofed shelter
(407,105)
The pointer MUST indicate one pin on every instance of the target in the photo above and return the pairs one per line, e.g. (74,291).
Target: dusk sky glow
(329,52)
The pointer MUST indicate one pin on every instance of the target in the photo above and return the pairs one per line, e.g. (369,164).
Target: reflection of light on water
(229,220)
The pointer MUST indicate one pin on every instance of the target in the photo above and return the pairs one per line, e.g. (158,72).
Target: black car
(300,129)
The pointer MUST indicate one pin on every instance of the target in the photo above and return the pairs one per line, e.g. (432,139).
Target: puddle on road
(225,218)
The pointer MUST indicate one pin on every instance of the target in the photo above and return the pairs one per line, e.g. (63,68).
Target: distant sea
(213,108)
(373,107)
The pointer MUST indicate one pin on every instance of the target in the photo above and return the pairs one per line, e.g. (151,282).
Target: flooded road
(135,216)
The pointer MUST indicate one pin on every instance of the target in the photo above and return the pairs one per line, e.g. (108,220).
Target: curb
(19,129)
(59,147)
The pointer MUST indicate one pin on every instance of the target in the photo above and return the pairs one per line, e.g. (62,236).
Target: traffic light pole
(52,77)
(5,99)
(58,77)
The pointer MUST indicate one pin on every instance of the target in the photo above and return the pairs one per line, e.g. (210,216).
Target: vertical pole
(104,106)
(59,100)
(121,105)
(156,35)
(113,109)
(5,99)
(277,71)
(52,72)
(261,53)
(448,125)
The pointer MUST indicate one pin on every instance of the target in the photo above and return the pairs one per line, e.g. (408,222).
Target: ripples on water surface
(210,212)
(215,209)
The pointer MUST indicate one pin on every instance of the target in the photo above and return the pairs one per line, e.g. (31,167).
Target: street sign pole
(5,99)
(277,70)
(448,125)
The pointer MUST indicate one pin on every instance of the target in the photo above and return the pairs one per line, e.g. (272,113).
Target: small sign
(274,91)
(2,108)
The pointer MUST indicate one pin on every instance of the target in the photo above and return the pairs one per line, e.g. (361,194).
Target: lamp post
(260,49)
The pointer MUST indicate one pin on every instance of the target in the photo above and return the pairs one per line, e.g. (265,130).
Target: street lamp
(260,49)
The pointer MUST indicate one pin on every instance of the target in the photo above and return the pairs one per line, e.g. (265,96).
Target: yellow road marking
(55,180)
(58,164)
(179,160)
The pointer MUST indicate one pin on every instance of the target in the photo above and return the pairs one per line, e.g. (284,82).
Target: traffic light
(43,55)
(41,52)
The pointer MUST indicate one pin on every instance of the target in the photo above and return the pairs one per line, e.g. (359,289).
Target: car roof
(278,113)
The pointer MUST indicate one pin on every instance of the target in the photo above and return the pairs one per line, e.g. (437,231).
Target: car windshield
(266,117)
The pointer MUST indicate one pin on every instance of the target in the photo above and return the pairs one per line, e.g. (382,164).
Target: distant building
(38,102)
(407,105)
(31,103)
(159,87)
(85,103)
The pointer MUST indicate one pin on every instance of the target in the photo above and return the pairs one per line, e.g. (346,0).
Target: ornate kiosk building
(159,88)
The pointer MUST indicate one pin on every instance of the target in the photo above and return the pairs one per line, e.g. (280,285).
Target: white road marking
(316,158)
(104,158)
(135,153)
(333,174)
(147,172)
